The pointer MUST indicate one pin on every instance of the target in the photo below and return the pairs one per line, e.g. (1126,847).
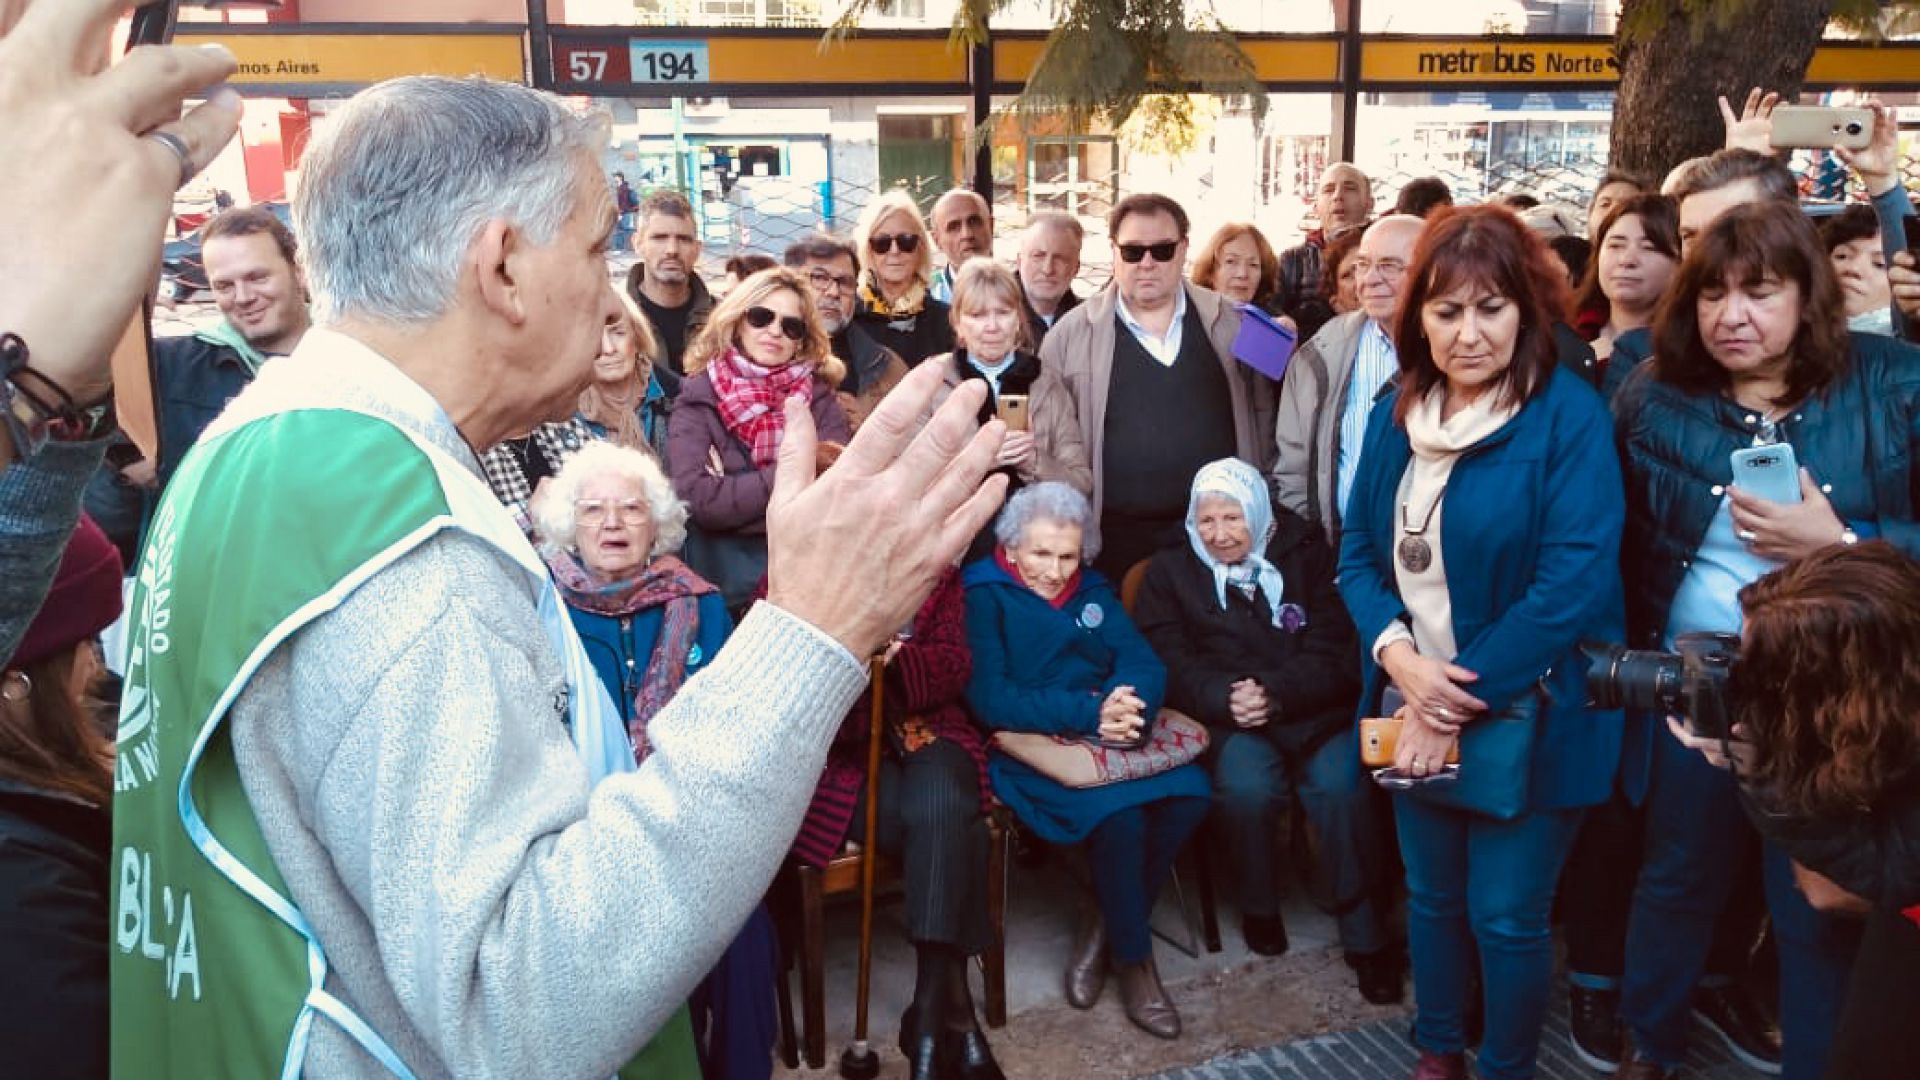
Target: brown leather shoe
(1148,1005)
(1087,969)
(1635,1067)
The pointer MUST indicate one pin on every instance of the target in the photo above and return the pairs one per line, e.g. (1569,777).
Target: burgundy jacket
(926,681)
(736,502)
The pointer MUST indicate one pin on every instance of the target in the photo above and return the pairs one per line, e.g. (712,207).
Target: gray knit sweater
(39,504)
(483,909)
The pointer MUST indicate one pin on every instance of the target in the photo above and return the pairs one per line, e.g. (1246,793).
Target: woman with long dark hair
(1750,350)
(1481,547)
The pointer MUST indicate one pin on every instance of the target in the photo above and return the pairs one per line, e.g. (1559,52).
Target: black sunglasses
(793,327)
(882,243)
(1162,252)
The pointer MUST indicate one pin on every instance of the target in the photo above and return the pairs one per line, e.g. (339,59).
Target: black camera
(1691,682)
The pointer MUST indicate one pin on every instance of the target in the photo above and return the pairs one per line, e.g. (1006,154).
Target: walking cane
(859,1062)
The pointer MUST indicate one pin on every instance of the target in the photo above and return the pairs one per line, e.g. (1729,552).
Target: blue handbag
(1496,759)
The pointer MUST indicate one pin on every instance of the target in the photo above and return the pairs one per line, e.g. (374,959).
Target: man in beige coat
(1148,367)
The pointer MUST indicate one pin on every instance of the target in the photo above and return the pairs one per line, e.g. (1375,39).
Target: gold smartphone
(1822,127)
(1012,410)
(1380,738)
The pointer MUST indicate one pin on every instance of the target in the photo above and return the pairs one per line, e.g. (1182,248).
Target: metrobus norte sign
(1431,61)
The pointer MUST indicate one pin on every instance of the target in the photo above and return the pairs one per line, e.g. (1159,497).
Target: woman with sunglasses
(762,345)
(896,262)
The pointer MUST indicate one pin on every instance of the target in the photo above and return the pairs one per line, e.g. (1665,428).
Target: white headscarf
(1234,479)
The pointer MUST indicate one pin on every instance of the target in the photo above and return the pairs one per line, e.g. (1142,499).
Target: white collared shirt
(1166,349)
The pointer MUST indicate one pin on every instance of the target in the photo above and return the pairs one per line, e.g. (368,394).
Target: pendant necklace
(1414,551)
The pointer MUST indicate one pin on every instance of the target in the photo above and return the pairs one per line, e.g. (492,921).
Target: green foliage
(1641,19)
(1110,61)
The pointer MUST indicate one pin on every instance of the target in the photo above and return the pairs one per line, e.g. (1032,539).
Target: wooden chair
(801,896)
(1197,848)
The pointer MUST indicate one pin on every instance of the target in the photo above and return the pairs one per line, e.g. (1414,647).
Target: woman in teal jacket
(1482,546)
(1054,653)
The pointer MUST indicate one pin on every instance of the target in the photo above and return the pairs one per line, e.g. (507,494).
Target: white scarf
(1235,479)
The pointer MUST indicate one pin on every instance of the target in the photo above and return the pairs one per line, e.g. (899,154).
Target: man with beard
(832,274)
(665,281)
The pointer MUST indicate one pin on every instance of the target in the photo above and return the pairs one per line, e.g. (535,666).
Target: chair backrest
(1130,584)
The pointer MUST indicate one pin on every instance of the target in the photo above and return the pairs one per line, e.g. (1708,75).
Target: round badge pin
(1092,616)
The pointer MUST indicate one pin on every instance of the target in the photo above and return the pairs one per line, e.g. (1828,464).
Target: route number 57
(587,65)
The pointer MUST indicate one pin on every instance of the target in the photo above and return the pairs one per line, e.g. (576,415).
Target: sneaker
(1594,1020)
(1749,1034)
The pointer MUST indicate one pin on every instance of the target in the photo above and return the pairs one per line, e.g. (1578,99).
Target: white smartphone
(1821,127)
(1770,472)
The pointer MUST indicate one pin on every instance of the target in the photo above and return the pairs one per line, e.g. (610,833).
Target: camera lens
(1854,128)
(1634,678)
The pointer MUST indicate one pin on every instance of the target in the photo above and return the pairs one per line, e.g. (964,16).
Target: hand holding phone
(1012,411)
(1770,471)
(1821,127)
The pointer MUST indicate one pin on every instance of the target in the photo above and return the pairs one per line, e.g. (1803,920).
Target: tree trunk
(1670,77)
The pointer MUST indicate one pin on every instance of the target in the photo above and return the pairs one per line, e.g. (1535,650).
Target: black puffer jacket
(53,934)
(1858,438)
(1309,673)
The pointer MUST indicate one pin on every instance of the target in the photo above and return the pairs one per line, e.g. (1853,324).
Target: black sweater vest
(1163,423)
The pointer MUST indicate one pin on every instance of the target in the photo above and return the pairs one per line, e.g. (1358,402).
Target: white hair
(399,182)
(1050,501)
(553,518)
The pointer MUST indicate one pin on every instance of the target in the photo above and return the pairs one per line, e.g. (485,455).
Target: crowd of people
(482,620)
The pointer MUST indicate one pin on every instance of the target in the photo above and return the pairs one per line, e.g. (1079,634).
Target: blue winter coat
(1531,545)
(617,645)
(1041,669)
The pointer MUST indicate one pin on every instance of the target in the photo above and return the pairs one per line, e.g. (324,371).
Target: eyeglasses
(793,327)
(1162,252)
(826,279)
(592,512)
(882,243)
(1392,268)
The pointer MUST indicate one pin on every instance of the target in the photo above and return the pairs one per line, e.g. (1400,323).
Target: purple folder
(1263,344)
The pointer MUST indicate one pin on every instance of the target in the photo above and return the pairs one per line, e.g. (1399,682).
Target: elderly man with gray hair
(1049,261)
(372,817)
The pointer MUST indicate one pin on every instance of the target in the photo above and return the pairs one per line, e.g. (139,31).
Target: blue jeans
(1697,839)
(1130,854)
(1474,881)
(1816,966)
(1253,782)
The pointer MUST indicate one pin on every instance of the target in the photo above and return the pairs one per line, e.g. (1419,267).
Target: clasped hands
(1122,714)
(1436,709)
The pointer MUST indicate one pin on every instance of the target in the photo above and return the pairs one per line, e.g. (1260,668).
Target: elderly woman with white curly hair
(609,524)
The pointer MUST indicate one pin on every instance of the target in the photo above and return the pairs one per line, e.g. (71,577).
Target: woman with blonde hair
(896,263)
(762,345)
(628,400)
(993,345)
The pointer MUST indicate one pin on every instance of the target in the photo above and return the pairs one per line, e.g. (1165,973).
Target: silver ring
(179,147)
(1747,536)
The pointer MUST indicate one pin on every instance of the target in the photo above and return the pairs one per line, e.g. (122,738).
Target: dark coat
(1041,669)
(737,501)
(926,681)
(1531,545)
(1309,673)
(193,381)
(1859,438)
(54,933)
(869,363)
(699,309)
(929,333)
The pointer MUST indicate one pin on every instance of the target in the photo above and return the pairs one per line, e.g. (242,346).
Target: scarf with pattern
(664,582)
(909,306)
(753,400)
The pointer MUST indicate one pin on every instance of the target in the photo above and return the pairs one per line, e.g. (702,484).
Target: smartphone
(1380,740)
(1770,472)
(1822,127)
(1012,410)
(1396,780)
(1910,225)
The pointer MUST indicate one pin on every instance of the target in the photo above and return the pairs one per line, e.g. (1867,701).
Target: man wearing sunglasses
(1337,376)
(1149,369)
(962,229)
(832,274)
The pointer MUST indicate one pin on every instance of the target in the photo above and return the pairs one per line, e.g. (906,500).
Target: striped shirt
(1374,363)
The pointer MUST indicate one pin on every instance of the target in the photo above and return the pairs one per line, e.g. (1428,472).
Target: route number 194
(668,61)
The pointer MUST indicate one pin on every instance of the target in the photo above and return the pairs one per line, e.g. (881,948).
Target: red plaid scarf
(752,400)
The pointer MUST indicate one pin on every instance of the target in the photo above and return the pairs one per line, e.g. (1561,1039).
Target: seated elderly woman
(1259,647)
(609,524)
(933,795)
(1055,654)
